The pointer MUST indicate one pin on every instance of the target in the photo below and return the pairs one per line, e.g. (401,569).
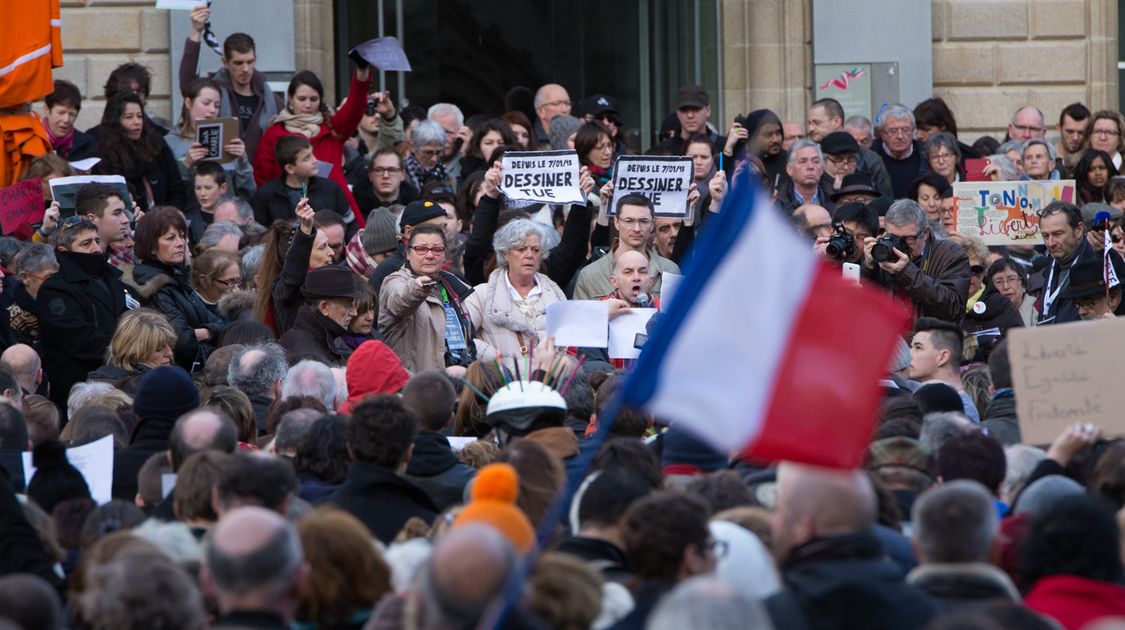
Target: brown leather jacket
(937,283)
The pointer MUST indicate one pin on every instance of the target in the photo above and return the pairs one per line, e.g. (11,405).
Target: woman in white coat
(509,312)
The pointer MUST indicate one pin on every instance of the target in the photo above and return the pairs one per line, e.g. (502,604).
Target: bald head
(22,362)
(468,568)
(812,220)
(1027,123)
(254,561)
(228,211)
(631,276)
(813,502)
(551,100)
(201,430)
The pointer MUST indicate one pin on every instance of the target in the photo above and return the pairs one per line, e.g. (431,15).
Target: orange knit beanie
(494,493)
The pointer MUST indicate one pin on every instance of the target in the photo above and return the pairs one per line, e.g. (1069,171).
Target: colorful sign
(1006,213)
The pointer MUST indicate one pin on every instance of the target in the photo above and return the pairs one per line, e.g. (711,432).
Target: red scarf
(62,145)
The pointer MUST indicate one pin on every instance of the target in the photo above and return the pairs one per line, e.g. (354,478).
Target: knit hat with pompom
(494,493)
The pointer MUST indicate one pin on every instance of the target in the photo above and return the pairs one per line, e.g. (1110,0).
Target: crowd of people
(324,368)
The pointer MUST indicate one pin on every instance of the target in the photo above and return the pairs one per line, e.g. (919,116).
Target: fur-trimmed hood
(501,311)
(150,285)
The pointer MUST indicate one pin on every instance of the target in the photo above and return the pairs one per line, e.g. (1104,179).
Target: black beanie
(55,479)
(757,118)
(939,397)
(165,393)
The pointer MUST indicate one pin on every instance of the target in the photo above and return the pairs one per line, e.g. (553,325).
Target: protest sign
(214,134)
(21,204)
(65,190)
(85,165)
(179,5)
(1067,373)
(579,323)
(94,461)
(541,177)
(1005,213)
(385,53)
(666,180)
(623,331)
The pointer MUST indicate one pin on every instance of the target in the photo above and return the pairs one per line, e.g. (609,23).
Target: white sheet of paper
(579,323)
(178,5)
(167,484)
(623,332)
(669,283)
(458,443)
(85,165)
(323,168)
(93,460)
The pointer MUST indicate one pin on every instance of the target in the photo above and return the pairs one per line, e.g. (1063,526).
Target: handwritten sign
(21,204)
(1005,213)
(1067,373)
(385,53)
(666,180)
(541,177)
(65,190)
(214,134)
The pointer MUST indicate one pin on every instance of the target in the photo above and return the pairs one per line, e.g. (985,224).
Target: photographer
(933,276)
(854,224)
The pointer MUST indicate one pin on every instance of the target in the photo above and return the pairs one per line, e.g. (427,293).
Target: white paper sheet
(85,165)
(669,284)
(579,323)
(623,332)
(178,5)
(93,460)
(458,443)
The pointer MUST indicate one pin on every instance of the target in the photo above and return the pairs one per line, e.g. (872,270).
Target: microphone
(643,300)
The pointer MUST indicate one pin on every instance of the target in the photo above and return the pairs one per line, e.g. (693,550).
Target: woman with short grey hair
(509,312)
(943,155)
(423,163)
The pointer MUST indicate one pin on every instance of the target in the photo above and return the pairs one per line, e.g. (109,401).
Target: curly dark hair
(381,430)
(1077,535)
(119,154)
(324,451)
(658,528)
(631,455)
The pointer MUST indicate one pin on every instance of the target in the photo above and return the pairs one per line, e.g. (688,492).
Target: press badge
(130,302)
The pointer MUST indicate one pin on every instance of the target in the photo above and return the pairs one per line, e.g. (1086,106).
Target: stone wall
(99,35)
(767,57)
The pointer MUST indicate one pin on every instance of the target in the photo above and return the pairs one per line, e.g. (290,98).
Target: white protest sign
(669,283)
(93,460)
(623,331)
(178,5)
(1067,373)
(541,177)
(579,323)
(666,180)
(384,53)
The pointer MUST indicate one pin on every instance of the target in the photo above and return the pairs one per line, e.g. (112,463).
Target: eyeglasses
(632,222)
(422,250)
(563,103)
(386,171)
(843,160)
(1105,133)
(76,221)
(430,153)
(941,157)
(231,283)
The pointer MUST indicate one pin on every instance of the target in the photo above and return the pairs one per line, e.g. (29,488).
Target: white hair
(446,109)
(804,144)
(897,111)
(82,393)
(313,379)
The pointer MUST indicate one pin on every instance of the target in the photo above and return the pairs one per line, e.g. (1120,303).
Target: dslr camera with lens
(841,245)
(881,251)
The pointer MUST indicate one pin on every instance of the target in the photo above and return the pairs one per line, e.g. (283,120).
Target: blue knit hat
(684,449)
(165,392)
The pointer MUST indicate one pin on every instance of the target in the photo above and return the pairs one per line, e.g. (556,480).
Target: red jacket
(1074,601)
(328,144)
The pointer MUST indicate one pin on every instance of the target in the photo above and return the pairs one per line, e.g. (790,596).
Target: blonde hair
(140,333)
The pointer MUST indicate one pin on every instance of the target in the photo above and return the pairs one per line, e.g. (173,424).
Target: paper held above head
(1068,373)
(384,53)
(579,323)
(623,332)
(179,5)
(85,165)
(665,180)
(21,204)
(65,190)
(541,177)
(93,460)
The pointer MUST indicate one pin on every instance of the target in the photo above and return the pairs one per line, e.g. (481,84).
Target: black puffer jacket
(185,310)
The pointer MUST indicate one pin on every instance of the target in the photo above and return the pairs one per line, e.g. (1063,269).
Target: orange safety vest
(30,46)
(24,139)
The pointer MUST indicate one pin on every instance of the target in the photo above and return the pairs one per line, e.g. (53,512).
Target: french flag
(766,349)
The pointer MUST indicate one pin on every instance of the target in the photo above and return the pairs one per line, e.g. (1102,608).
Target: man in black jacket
(78,308)
(329,308)
(433,466)
(381,439)
(278,198)
(835,571)
(903,156)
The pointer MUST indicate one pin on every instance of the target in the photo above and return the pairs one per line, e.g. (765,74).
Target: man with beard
(759,134)
(667,229)
(1072,128)
(1063,232)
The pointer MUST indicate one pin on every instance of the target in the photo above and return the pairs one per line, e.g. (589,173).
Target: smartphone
(851,272)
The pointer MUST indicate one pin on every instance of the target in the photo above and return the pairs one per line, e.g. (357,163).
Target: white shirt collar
(535,290)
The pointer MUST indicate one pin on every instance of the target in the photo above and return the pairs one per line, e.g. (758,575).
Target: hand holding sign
(21,204)
(666,180)
(541,177)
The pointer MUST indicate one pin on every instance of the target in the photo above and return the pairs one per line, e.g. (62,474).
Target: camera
(881,250)
(370,110)
(841,245)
